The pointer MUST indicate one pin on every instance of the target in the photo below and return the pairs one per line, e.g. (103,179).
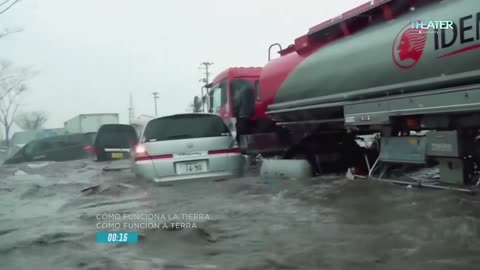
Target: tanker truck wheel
(331,153)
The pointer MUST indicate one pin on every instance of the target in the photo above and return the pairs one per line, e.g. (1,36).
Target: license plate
(117,155)
(191,167)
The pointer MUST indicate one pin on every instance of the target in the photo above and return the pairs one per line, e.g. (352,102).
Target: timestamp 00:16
(117,237)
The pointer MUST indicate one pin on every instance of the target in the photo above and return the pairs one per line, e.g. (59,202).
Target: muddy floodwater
(50,214)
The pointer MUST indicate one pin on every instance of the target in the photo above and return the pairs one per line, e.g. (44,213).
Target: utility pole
(205,66)
(205,81)
(155,97)
(131,115)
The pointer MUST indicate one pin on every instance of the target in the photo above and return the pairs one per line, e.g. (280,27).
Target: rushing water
(48,220)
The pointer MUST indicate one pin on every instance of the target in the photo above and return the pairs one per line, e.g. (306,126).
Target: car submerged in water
(115,141)
(56,148)
(190,146)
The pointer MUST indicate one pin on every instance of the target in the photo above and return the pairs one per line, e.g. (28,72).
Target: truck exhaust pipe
(270,49)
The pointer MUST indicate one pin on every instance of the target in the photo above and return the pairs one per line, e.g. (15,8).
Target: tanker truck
(388,67)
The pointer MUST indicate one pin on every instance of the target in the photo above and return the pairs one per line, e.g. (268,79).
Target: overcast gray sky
(91,54)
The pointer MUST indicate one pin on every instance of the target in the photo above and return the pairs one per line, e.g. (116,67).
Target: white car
(190,146)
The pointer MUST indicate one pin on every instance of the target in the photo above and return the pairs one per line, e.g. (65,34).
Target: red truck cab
(235,96)
(223,89)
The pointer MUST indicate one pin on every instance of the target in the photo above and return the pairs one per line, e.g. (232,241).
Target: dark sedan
(57,148)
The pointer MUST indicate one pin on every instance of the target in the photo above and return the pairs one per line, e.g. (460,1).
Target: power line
(10,6)
(4,2)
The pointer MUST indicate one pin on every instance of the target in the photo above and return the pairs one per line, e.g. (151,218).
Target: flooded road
(48,222)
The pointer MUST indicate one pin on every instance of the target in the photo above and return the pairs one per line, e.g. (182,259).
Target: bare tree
(192,107)
(12,85)
(5,5)
(31,120)
(8,31)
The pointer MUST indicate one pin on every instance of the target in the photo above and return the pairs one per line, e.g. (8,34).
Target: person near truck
(243,108)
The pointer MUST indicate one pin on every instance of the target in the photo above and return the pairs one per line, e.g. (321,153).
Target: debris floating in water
(20,172)
(350,175)
(126,185)
(268,182)
(91,189)
(38,165)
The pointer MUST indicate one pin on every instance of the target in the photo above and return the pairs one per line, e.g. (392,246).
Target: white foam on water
(38,165)
(19,173)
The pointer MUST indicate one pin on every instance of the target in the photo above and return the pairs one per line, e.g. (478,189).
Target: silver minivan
(189,146)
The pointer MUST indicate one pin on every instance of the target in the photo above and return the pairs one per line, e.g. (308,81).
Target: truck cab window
(219,96)
(243,93)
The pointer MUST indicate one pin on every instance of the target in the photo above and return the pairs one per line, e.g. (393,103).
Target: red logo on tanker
(408,47)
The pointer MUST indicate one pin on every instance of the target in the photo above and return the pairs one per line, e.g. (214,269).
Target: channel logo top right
(431,27)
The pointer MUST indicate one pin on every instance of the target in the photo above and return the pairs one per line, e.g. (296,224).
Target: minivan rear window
(116,136)
(185,126)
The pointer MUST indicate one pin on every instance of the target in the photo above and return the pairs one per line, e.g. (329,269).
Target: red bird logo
(408,47)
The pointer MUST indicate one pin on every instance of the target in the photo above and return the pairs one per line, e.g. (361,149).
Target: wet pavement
(50,213)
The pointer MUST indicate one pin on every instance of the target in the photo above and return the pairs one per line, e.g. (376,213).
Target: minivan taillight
(225,151)
(141,153)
